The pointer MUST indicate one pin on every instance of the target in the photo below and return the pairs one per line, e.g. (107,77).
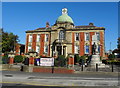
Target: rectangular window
(46,37)
(37,49)
(76,49)
(30,38)
(46,49)
(87,49)
(98,36)
(76,36)
(86,36)
(98,48)
(38,38)
(29,48)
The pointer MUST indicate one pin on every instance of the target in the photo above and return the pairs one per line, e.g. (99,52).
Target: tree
(8,41)
(119,43)
(111,56)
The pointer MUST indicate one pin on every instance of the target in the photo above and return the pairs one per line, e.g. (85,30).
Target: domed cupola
(64,17)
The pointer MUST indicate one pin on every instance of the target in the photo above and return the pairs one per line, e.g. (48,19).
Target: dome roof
(64,17)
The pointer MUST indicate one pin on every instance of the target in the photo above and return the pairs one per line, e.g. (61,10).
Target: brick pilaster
(82,41)
(73,39)
(101,43)
(34,42)
(27,40)
(42,38)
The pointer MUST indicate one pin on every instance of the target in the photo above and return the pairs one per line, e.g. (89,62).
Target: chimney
(47,25)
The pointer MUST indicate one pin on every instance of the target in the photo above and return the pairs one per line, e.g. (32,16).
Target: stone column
(62,50)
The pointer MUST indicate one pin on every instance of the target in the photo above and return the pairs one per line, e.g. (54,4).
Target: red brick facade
(101,43)
(42,39)
(27,40)
(73,39)
(82,43)
(34,42)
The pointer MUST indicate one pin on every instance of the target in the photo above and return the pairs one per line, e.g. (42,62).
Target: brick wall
(34,42)
(27,40)
(42,38)
(49,70)
(73,39)
(82,41)
(102,44)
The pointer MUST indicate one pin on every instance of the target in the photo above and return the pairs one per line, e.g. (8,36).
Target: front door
(59,50)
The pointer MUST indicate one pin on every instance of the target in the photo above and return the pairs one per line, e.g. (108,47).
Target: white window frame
(86,36)
(77,34)
(45,49)
(86,50)
(37,49)
(30,38)
(46,37)
(38,37)
(29,48)
(97,33)
(76,49)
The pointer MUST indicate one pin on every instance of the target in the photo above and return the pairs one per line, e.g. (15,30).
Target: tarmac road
(17,79)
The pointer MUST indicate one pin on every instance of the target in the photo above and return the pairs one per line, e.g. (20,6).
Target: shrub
(5,59)
(18,59)
(77,58)
(111,56)
(82,59)
(60,61)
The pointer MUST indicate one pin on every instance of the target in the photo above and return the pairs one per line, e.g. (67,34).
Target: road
(17,78)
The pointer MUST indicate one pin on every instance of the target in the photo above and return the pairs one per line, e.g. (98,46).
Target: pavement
(85,79)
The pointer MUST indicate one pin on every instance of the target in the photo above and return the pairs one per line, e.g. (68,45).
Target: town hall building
(64,38)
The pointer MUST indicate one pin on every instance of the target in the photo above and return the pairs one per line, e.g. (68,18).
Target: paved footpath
(45,79)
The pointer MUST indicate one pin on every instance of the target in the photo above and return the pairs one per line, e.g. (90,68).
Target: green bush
(82,60)
(111,57)
(5,59)
(18,59)
(60,61)
(77,58)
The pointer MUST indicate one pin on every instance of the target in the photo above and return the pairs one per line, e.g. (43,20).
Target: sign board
(46,61)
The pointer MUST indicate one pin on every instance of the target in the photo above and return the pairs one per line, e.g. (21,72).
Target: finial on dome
(64,11)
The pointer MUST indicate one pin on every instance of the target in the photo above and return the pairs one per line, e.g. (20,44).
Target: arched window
(61,35)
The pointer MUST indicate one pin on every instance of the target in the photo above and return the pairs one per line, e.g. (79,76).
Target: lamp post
(11,57)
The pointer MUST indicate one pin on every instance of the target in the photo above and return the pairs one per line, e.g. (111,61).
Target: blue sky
(18,17)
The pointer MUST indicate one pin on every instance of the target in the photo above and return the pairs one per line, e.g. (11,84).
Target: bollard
(52,69)
(96,67)
(21,68)
(112,68)
(82,68)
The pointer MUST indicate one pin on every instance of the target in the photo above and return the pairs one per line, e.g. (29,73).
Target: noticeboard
(46,61)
